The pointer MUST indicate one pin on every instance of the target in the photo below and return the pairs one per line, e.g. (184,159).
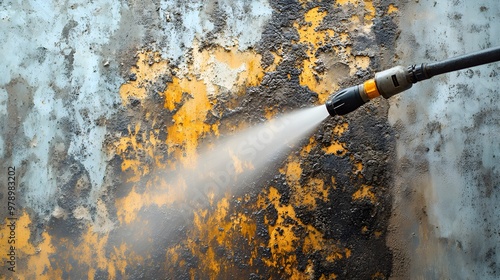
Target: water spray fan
(398,79)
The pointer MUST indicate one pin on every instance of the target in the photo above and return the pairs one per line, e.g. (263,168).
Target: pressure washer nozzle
(345,101)
(386,83)
(397,79)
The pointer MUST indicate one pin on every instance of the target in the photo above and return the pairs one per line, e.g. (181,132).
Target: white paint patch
(218,76)
(56,49)
(186,21)
(245,22)
(456,117)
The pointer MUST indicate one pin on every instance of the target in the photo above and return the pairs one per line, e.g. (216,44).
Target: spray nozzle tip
(345,101)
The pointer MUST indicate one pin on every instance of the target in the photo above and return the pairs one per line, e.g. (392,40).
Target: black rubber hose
(464,61)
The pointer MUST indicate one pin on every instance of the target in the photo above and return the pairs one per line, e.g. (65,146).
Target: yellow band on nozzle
(371,89)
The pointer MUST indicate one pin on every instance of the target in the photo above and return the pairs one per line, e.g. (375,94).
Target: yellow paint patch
(307,148)
(339,129)
(347,253)
(370,11)
(278,57)
(189,120)
(148,68)
(378,275)
(326,82)
(127,207)
(270,113)
(283,240)
(364,193)
(39,266)
(344,37)
(314,38)
(217,228)
(307,194)
(392,9)
(293,172)
(362,62)
(359,167)
(336,148)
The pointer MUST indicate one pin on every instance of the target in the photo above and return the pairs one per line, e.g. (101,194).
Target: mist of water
(240,159)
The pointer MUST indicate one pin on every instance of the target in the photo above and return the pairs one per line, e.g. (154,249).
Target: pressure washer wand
(398,79)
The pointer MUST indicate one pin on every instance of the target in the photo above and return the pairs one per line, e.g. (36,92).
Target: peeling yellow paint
(249,62)
(283,239)
(314,38)
(362,62)
(270,113)
(325,83)
(364,193)
(336,148)
(359,167)
(307,148)
(215,229)
(278,58)
(378,275)
(38,257)
(370,10)
(347,253)
(392,9)
(304,194)
(344,37)
(148,68)
(189,121)
(339,129)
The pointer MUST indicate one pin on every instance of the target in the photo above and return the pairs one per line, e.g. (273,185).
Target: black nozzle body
(345,101)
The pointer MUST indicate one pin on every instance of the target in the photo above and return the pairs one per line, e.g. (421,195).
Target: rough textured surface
(106,108)
(447,178)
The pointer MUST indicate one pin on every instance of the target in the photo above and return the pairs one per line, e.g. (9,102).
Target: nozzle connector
(398,79)
(345,101)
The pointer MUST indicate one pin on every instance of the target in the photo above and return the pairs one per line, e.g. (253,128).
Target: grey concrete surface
(447,180)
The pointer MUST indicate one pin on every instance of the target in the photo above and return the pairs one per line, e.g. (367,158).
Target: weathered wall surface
(448,154)
(103,104)
(106,107)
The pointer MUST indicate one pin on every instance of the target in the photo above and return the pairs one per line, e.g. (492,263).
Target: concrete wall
(107,108)
(448,177)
